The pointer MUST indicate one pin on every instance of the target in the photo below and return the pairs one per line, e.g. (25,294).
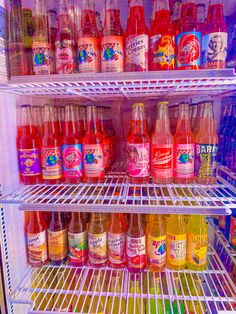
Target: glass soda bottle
(176,242)
(28,31)
(97,303)
(136,245)
(61,301)
(17,58)
(162,45)
(136,39)
(135,305)
(43,62)
(188,42)
(89,41)
(215,39)
(176,16)
(93,152)
(115,305)
(51,148)
(231,57)
(154,306)
(184,147)
(57,239)
(112,45)
(36,239)
(206,147)
(162,147)
(197,242)
(28,145)
(116,240)
(156,243)
(38,119)
(77,240)
(111,131)
(201,15)
(65,44)
(72,148)
(97,240)
(138,146)
(230,144)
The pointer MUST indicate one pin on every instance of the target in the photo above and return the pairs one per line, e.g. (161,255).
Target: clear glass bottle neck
(183,125)
(207,123)
(138,122)
(162,124)
(92,119)
(70,125)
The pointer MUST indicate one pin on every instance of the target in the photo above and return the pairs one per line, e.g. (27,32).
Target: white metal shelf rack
(125,85)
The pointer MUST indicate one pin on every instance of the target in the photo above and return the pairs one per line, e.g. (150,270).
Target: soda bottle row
(175,242)
(187,42)
(227,225)
(182,158)
(79,146)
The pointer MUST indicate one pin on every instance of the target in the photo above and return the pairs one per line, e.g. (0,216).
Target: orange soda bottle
(116,240)
(206,147)
(112,47)
(162,147)
(136,244)
(184,147)
(138,146)
(93,152)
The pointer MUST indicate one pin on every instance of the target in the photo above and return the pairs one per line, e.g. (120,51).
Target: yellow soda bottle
(115,305)
(61,300)
(135,304)
(156,243)
(154,306)
(197,240)
(176,242)
(96,303)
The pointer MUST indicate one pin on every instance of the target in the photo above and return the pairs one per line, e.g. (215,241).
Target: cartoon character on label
(217,49)
(189,50)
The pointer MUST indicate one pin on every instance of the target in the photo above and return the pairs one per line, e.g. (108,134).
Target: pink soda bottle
(112,45)
(188,42)
(162,45)
(215,39)
(136,39)
(89,41)
(136,244)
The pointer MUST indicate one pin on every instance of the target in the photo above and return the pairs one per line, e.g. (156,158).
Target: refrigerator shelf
(116,194)
(125,85)
(80,288)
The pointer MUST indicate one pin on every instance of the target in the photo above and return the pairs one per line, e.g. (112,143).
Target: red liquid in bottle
(136,39)
(176,17)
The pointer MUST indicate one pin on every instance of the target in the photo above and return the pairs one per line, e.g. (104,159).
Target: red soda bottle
(162,46)
(28,145)
(77,240)
(184,147)
(38,119)
(43,61)
(136,39)
(112,54)
(65,45)
(201,15)
(89,42)
(51,148)
(136,244)
(72,148)
(138,147)
(93,155)
(188,42)
(215,39)
(176,16)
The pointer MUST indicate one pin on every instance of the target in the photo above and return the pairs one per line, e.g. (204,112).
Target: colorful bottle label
(205,161)
(29,160)
(89,55)
(136,51)
(162,161)
(189,50)
(57,245)
(184,160)
(93,160)
(197,249)
(156,250)
(37,247)
(116,247)
(176,249)
(112,54)
(97,248)
(136,252)
(78,247)
(232,234)
(42,58)
(222,222)
(162,52)
(215,50)
(138,160)
(72,160)
(65,56)
(51,162)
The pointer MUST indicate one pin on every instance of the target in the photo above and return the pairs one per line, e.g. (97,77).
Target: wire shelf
(88,290)
(125,85)
(116,194)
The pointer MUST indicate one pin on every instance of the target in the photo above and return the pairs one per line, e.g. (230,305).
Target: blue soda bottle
(226,131)
(231,58)
(229,157)
(232,231)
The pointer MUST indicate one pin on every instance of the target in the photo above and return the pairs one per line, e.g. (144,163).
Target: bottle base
(94,180)
(174,267)
(209,181)
(58,263)
(116,266)
(183,181)
(136,270)
(196,268)
(98,265)
(144,180)
(162,181)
